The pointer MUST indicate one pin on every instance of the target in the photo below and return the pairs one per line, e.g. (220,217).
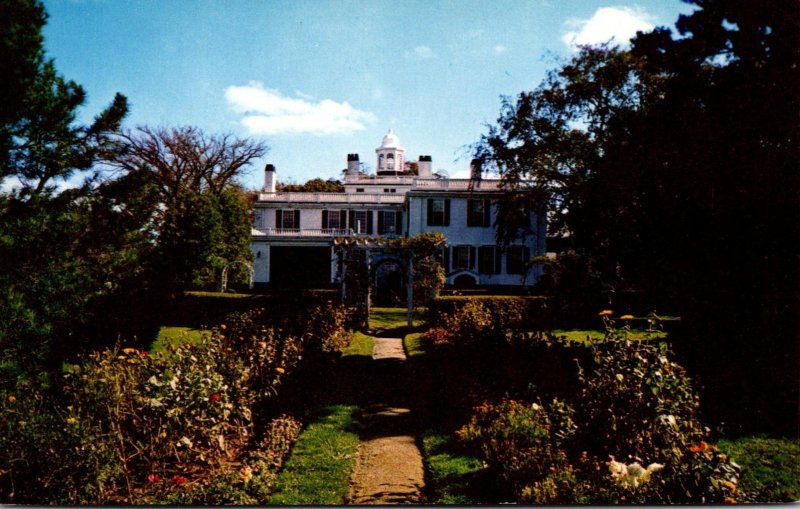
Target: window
(478,212)
(390,221)
(463,257)
(516,259)
(287,219)
(359,189)
(334,219)
(438,212)
(361,221)
(488,260)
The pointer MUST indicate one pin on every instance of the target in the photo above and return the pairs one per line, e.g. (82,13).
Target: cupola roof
(390,140)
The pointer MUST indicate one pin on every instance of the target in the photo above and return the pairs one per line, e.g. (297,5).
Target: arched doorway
(389,283)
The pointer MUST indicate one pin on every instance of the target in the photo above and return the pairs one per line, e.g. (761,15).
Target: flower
(71,420)
(11,398)
(222,326)
(246,473)
(605,312)
(702,446)
(179,479)
(280,371)
(728,484)
(153,478)
(129,350)
(214,398)
(626,317)
(729,500)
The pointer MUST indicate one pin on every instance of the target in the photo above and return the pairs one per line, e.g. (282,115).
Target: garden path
(389,467)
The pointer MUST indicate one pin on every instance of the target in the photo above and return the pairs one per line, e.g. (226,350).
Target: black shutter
(352,219)
(430,211)
(398,222)
(297,219)
(279,218)
(471,257)
(447,212)
(324,219)
(369,222)
(498,259)
(381,226)
(487,213)
(342,219)
(446,258)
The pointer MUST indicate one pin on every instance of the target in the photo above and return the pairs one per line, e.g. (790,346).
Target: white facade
(293,233)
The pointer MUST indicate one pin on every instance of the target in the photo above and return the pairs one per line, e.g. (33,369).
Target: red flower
(214,398)
(143,354)
(153,478)
(179,479)
(699,447)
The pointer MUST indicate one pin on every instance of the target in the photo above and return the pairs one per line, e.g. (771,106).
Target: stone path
(389,468)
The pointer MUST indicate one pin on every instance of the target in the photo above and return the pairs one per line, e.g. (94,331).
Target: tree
(200,217)
(672,169)
(52,269)
(316,185)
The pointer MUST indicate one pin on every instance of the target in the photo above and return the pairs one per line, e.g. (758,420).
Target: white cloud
(499,49)
(268,112)
(617,23)
(423,52)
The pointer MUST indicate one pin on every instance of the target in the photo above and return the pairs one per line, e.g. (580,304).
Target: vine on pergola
(418,254)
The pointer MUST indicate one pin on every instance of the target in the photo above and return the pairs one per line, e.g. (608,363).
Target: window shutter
(279,218)
(369,222)
(447,212)
(352,222)
(430,212)
(398,222)
(343,219)
(471,257)
(487,213)
(381,226)
(324,219)
(498,258)
(446,258)
(297,219)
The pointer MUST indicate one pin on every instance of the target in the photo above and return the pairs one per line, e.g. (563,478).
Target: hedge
(534,309)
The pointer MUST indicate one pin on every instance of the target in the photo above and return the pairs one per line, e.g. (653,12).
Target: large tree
(673,168)
(200,218)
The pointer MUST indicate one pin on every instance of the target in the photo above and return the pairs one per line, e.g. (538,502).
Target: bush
(523,443)
(515,312)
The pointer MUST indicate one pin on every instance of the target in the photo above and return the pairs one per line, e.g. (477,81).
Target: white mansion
(293,232)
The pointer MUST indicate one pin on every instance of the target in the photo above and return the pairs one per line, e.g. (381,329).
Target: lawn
(453,479)
(595,335)
(392,318)
(770,466)
(318,469)
(176,336)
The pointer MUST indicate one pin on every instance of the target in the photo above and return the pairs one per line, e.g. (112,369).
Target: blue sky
(317,80)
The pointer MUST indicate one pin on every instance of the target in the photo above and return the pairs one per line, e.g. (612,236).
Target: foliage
(524,446)
(453,478)
(703,126)
(516,311)
(316,185)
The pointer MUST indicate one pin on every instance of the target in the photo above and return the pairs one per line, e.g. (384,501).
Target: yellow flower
(731,486)
(626,317)
(605,312)
(71,420)
(246,473)
(129,350)
(11,398)
(280,371)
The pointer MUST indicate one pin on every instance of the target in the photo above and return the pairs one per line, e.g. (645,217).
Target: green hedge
(198,309)
(533,309)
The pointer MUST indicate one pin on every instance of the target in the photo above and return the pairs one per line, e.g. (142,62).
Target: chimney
(269,178)
(475,169)
(425,166)
(353,166)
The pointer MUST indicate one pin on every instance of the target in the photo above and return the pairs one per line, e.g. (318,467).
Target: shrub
(524,444)
(515,312)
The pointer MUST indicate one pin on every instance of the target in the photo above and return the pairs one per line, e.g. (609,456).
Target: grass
(413,344)
(452,477)
(392,318)
(176,336)
(595,335)
(317,471)
(361,344)
(770,466)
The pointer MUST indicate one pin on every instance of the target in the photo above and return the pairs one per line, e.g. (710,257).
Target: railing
(331,197)
(303,232)
(455,184)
